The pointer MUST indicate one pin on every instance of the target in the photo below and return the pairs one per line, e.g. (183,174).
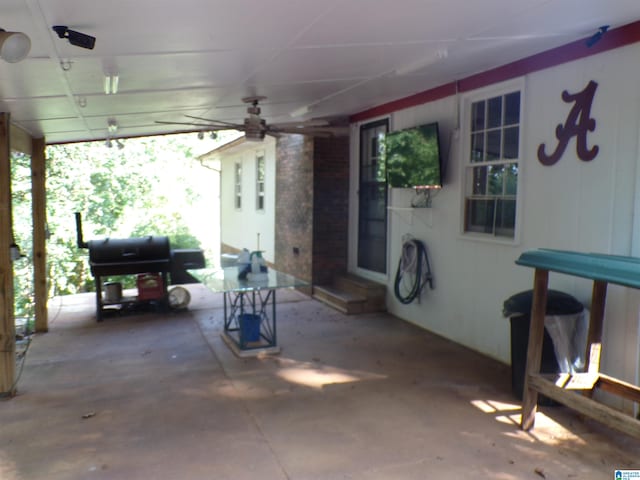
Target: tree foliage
(143,189)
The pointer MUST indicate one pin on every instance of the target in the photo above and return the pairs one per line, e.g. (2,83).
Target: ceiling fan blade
(317,131)
(300,124)
(210,121)
(202,126)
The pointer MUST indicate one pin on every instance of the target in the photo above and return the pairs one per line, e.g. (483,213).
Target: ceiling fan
(255,128)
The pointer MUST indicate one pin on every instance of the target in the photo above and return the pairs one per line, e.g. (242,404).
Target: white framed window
(492,158)
(237,182)
(260,181)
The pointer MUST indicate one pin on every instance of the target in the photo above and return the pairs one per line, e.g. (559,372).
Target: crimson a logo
(578,124)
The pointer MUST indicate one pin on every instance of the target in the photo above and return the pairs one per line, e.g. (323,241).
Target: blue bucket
(249,327)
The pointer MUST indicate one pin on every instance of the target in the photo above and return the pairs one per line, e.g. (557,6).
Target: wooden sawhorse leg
(596,323)
(534,349)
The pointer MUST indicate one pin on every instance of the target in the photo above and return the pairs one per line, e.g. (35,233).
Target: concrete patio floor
(349,397)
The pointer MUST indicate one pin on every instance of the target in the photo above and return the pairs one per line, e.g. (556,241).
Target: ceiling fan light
(253,136)
(14,46)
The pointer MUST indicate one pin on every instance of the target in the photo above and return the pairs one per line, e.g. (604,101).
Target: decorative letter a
(578,124)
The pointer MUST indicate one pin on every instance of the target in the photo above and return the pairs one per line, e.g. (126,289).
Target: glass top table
(249,307)
(226,280)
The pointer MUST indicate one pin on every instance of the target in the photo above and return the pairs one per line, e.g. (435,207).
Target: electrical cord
(22,357)
(413,267)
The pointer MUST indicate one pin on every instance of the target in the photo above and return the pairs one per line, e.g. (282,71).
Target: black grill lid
(124,250)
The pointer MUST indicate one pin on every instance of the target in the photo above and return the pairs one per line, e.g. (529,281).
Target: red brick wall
(330,208)
(294,206)
(312,188)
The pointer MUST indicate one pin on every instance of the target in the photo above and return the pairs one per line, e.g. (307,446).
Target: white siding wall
(240,228)
(572,205)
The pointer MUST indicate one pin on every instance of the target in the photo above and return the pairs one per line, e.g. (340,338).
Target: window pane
(480,218)
(477,147)
(493,144)
(260,169)
(479,180)
(494,114)
(477,116)
(505,218)
(511,142)
(511,179)
(496,179)
(238,185)
(372,164)
(512,108)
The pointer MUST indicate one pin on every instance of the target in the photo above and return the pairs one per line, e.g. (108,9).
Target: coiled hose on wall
(413,273)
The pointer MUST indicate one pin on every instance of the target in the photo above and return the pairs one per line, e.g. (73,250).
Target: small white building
(247,195)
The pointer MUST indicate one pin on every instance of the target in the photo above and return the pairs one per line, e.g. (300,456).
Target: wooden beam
(7,320)
(38,200)
(587,406)
(534,349)
(618,387)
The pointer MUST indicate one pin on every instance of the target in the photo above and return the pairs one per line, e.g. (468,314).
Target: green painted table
(576,390)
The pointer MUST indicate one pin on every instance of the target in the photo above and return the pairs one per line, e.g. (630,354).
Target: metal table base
(249,307)
(262,305)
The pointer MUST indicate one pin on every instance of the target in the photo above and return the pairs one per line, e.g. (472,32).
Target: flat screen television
(413,157)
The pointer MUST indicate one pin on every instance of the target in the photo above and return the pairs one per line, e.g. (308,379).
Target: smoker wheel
(179,298)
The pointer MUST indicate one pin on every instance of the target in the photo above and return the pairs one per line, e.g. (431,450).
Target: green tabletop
(616,269)
(226,280)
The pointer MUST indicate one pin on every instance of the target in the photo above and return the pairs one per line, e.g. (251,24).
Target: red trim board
(613,39)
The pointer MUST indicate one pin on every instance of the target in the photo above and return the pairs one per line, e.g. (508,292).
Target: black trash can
(518,309)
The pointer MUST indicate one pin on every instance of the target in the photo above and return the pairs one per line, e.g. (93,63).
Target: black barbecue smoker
(150,258)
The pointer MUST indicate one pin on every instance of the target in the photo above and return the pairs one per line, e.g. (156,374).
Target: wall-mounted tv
(413,157)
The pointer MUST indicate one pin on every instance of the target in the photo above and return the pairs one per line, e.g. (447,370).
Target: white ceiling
(200,57)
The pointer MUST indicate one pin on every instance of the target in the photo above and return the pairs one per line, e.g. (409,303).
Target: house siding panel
(573,205)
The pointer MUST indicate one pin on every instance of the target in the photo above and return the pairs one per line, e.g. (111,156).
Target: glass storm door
(372,214)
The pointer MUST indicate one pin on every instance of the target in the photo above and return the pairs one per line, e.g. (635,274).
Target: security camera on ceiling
(75,38)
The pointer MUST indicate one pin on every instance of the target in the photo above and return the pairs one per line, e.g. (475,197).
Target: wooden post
(7,320)
(38,199)
(534,350)
(596,322)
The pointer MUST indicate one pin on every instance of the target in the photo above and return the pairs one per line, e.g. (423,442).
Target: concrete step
(351,294)
(360,286)
(344,302)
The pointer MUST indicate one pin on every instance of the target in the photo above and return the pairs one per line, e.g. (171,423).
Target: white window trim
(465,111)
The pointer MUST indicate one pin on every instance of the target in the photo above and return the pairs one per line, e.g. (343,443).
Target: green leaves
(143,189)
